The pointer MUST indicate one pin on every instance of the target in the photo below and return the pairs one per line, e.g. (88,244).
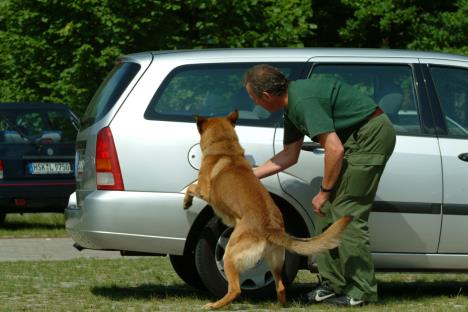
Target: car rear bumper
(35,196)
(132,221)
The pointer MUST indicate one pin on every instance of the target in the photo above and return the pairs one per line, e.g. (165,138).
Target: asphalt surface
(35,249)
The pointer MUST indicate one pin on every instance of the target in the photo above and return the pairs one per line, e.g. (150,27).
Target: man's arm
(333,161)
(284,159)
(334,153)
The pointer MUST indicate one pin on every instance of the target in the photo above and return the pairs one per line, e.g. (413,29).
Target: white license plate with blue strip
(50,168)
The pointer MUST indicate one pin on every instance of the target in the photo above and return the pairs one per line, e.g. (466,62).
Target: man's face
(266,100)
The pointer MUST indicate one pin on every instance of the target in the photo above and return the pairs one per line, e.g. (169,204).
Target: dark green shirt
(323,104)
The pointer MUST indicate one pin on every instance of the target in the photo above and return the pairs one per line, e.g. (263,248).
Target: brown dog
(226,181)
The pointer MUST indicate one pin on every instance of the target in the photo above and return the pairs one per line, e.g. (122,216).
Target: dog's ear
(233,117)
(200,121)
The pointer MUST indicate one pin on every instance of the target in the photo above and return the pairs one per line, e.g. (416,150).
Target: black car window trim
(424,114)
(436,104)
(426,110)
(298,70)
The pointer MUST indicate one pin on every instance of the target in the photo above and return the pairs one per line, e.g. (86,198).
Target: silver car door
(450,81)
(406,216)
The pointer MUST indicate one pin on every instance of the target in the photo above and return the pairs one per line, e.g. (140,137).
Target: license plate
(50,168)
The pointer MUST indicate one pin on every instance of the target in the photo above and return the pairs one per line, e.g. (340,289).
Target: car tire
(257,282)
(2,218)
(185,268)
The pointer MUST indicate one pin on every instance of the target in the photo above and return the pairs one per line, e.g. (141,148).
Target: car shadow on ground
(388,291)
(23,225)
(33,221)
(401,291)
(414,290)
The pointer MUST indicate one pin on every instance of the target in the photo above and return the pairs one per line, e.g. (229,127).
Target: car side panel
(447,82)
(455,208)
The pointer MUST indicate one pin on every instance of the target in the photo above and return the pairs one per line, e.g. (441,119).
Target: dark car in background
(37,157)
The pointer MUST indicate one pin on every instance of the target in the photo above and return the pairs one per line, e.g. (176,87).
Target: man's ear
(265,95)
(233,117)
(200,121)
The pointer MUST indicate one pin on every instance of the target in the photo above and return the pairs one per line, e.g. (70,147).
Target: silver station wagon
(138,150)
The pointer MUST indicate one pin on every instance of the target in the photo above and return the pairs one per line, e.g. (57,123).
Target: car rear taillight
(108,175)
(1,169)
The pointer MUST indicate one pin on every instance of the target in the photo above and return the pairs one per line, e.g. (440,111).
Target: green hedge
(60,50)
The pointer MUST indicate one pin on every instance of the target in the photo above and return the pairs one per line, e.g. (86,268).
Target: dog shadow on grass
(170,292)
(151,291)
(388,291)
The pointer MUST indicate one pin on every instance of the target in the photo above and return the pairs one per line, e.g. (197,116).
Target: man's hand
(318,201)
(284,159)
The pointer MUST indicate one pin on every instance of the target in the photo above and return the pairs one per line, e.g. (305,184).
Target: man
(358,139)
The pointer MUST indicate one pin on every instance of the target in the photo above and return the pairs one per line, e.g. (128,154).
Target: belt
(378,111)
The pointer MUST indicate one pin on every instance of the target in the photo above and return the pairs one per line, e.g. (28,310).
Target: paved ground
(33,249)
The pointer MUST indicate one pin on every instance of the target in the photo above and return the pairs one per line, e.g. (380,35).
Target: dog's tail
(309,246)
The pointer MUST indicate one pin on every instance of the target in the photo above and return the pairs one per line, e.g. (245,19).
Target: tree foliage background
(61,50)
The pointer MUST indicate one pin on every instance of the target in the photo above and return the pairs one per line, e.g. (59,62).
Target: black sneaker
(344,301)
(320,293)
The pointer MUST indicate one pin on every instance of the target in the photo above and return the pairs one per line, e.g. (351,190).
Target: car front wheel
(257,282)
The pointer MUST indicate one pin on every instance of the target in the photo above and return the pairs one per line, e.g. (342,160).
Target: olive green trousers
(349,268)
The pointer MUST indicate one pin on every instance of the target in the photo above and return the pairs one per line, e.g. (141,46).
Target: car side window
(3,123)
(3,128)
(391,87)
(213,90)
(109,92)
(451,85)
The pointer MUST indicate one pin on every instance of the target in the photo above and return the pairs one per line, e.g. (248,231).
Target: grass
(150,284)
(33,225)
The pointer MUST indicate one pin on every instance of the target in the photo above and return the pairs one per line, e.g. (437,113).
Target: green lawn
(150,284)
(33,225)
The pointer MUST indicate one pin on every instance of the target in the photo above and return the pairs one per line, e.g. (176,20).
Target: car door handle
(463,157)
(311,146)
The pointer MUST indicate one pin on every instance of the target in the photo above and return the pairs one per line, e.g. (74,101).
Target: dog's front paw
(188,201)
(210,306)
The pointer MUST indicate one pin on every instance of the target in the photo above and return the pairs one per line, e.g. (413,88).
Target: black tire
(208,254)
(2,218)
(185,268)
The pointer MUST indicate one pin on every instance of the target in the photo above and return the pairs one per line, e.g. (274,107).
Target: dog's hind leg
(243,251)
(232,275)
(275,258)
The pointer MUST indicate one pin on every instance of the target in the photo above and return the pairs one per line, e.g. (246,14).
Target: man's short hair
(266,78)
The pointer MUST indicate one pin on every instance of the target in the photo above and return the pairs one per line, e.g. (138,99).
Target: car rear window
(214,90)
(24,126)
(109,92)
